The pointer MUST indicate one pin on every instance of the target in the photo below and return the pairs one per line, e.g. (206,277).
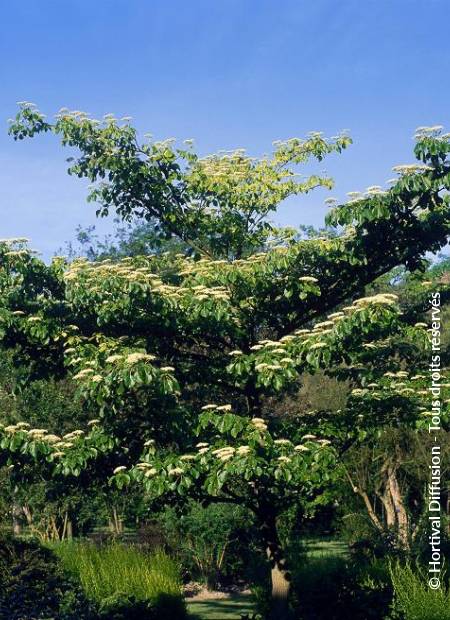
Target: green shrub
(335,588)
(120,607)
(355,527)
(261,596)
(124,581)
(212,543)
(33,586)
(414,600)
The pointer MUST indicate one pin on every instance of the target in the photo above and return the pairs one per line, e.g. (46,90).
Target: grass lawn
(323,547)
(221,609)
(232,608)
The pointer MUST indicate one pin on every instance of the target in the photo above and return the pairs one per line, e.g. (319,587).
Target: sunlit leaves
(238,317)
(245,464)
(218,204)
(276,364)
(67,455)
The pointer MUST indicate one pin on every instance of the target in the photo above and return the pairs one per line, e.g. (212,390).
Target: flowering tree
(236,319)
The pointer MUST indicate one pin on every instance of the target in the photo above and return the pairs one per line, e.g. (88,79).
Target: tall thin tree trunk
(117,522)
(69,529)
(370,510)
(64,527)
(28,515)
(16,525)
(388,504)
(16,513)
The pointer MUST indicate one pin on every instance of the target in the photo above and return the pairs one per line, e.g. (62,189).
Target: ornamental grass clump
(108,571)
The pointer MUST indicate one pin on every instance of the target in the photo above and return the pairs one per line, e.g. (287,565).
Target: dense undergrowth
(79,581)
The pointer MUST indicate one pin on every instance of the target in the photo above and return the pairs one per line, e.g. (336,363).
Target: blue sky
(229,73)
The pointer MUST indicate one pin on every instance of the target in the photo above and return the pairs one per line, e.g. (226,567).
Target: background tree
(134,238)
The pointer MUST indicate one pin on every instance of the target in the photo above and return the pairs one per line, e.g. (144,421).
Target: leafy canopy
(217,204)
(153,339)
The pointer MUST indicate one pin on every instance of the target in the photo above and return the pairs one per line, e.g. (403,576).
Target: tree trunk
(16,513)
(16,525)
(362,493)
(69,530)
(279,606)
(400,511)
(395,515)
(64,526)
(389,510)
(117,522)
(28,515)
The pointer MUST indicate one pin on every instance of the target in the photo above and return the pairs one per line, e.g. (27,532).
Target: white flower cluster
(175,471)
(119,469)
(381,299)
(433,131)
(148,469)
(243,450)
(259,424)
(311,279)
(284,459)
(225,453)
(111,359)
(213,407)
(134,358)
(411,168)
(282,442)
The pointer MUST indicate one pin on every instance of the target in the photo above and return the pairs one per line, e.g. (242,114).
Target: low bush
(212,543)
(335,588)
(33,586)
(123,607)
(414,600)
